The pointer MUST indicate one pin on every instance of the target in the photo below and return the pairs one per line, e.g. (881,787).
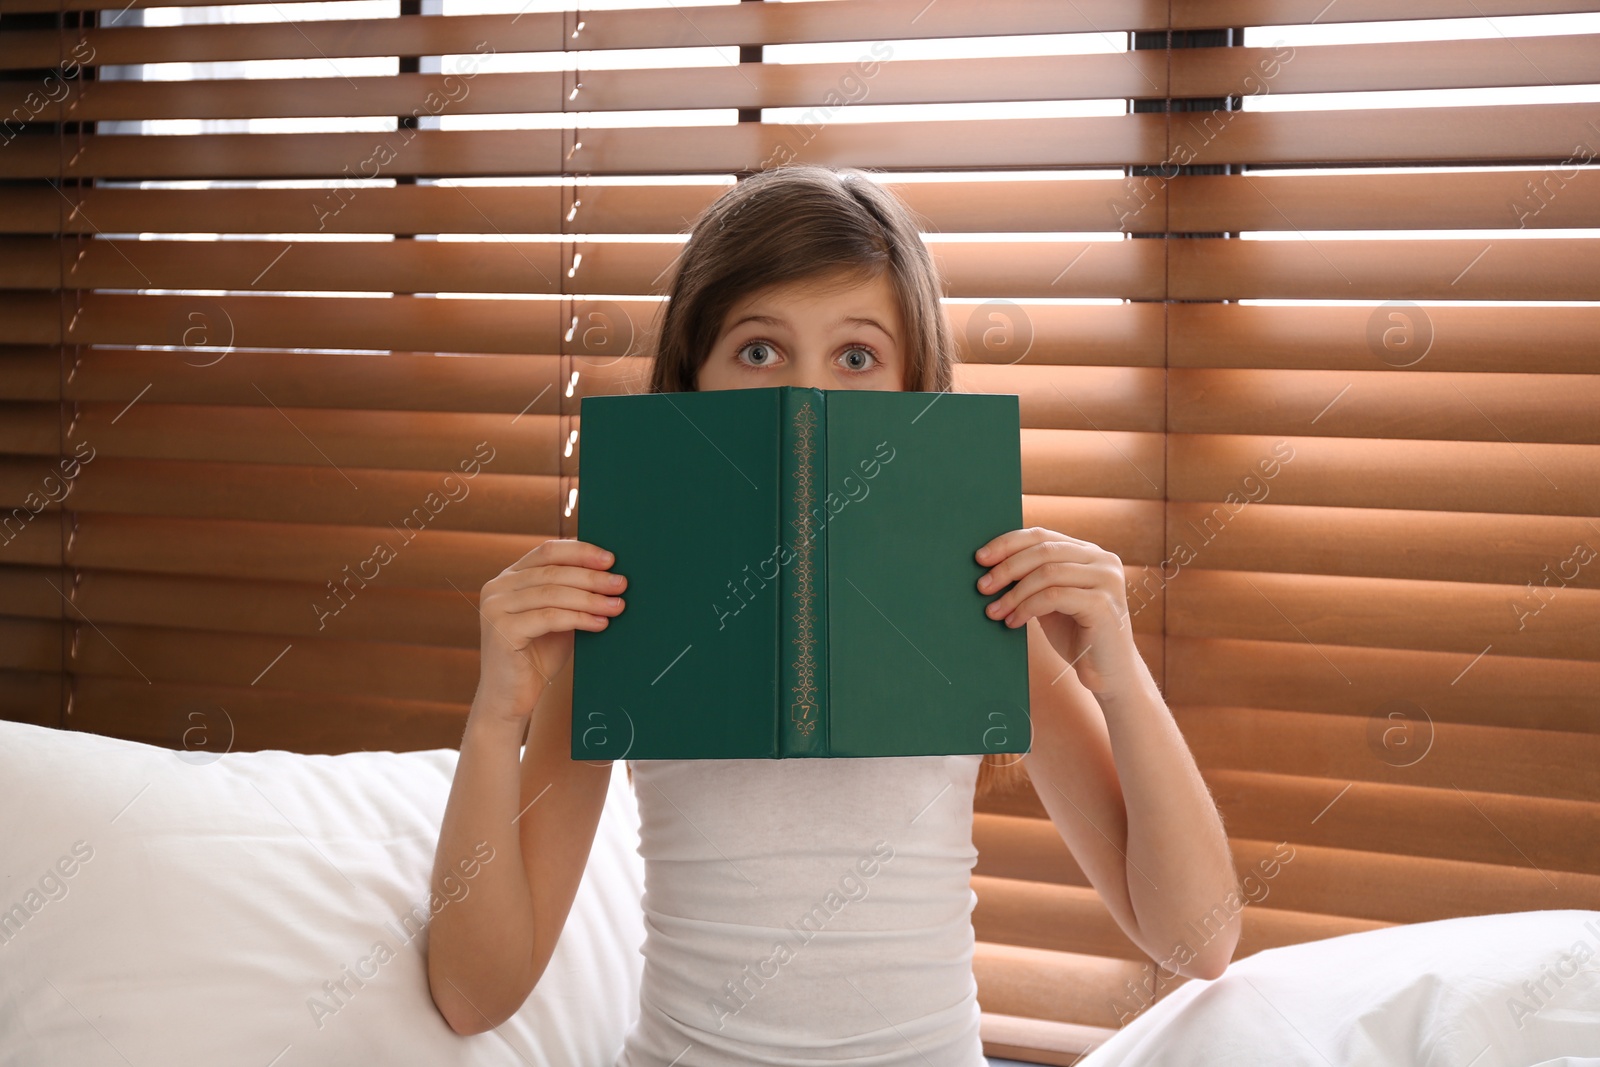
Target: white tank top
(807,911)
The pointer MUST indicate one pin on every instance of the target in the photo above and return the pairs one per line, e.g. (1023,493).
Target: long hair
(794,224)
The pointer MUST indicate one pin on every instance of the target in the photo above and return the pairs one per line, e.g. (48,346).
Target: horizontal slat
(30,539)
(402,381)
(1514,132)
(660,27)
(398,209)
(1130,528)
(344,604)
(1558,620)
(402,266)
(1529,340)
(1443,546)
(1447,269)
(317,438)
(1106,335)
(1043,915)
(1558,409)
(1037,1040)
(1440,823)
(482,498)
(1502,198)
(32,697)
(1054,142)
(401,324)
(29,372)
(331,665)
(1504,60)
(1092,463)
(1132,270)
(1372,472)
(1019,270)
(33,645)
(1372,885)
(239,717)
(273,551)
(519,386)
(1061,918)
(1024,847)
(1075,398)
(1494,690)
(33,429)
(1063,987)
(748,85)
(1201,14)
(326,443)
(1030,205)
(1490,759)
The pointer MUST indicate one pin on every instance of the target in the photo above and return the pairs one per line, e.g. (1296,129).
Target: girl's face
(823,334)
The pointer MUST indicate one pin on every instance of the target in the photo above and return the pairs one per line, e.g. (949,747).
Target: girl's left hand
(1077,591)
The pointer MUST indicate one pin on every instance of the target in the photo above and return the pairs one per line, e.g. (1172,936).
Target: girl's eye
(756,347)
(866,351)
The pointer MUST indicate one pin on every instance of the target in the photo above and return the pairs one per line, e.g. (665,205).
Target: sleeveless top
(806,911)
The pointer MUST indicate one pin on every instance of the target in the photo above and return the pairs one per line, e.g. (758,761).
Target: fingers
(1080,604)
(1013,541)
(565,550)
(600,581)
(560,585)
(554,603)
(1046,576)
(1020,563)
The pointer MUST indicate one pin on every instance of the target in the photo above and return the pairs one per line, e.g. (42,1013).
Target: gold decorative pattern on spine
(803,712)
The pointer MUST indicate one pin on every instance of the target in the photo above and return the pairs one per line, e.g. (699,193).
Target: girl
(815,910)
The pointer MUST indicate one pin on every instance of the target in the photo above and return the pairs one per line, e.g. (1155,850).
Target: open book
(801,579)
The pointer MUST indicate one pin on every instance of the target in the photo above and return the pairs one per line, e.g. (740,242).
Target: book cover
(801,580)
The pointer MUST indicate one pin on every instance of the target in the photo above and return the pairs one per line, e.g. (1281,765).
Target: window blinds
(298,304)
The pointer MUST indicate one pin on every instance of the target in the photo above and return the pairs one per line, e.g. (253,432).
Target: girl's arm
(529,828)
(488,948)
(1108,761)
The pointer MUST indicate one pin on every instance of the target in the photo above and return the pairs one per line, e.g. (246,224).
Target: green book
(801,579)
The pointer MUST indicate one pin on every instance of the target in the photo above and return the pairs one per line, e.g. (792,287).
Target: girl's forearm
(1180,868)
(480,946)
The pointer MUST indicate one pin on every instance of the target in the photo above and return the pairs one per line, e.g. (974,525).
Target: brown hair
(794,225)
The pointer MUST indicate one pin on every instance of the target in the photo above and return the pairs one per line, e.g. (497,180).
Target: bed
(268,907)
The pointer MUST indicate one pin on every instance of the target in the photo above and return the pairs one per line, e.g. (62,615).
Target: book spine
(802,673)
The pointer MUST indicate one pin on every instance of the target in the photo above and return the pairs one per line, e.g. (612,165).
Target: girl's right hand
(528,613)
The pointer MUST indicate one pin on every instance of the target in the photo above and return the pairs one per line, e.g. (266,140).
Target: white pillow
(168,908)
(1441,994)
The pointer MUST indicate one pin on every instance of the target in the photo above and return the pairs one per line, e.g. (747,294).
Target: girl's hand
(529,611)
(1076,590)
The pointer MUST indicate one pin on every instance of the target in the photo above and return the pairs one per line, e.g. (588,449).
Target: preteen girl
(809,911)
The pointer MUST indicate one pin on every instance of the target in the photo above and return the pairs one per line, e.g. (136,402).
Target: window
(1300,310)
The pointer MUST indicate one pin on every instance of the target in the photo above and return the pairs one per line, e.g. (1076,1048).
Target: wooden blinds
(297,305)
